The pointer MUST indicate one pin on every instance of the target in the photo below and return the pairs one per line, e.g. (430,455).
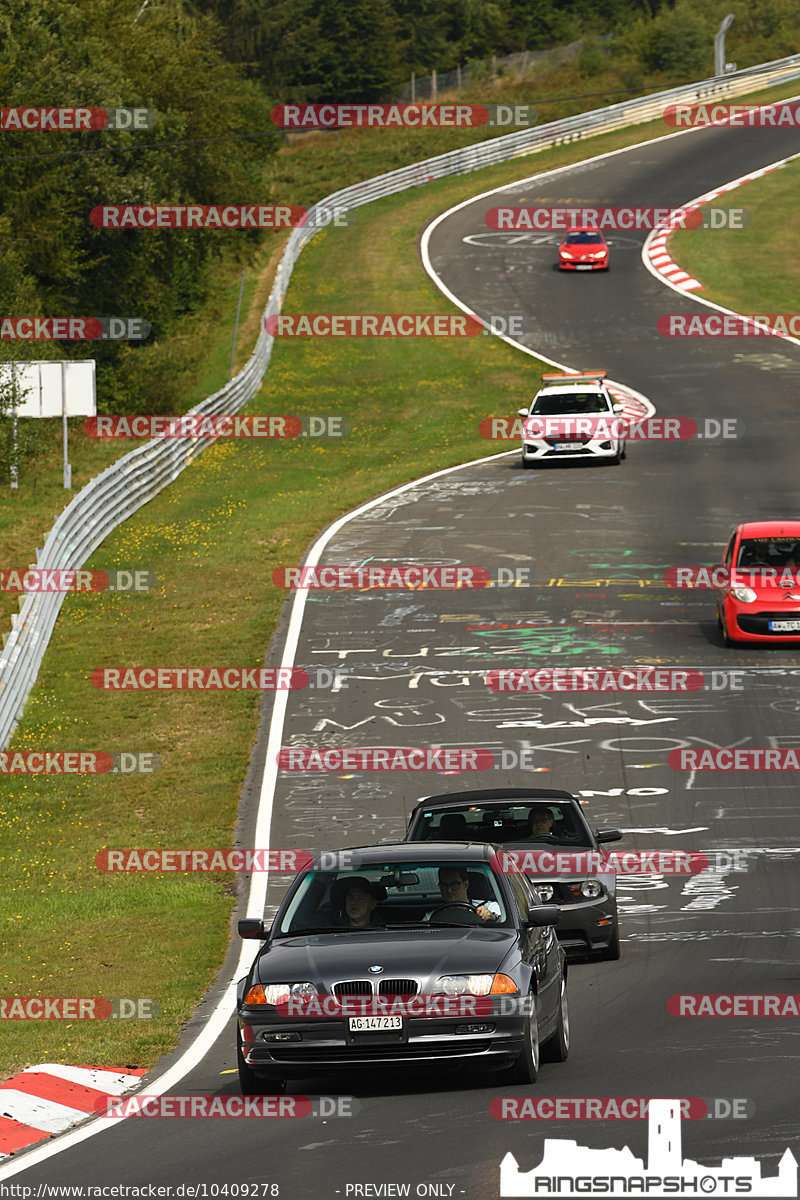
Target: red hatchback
(761,598)
(583,249)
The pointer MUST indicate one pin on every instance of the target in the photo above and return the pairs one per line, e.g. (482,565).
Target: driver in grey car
(454,886)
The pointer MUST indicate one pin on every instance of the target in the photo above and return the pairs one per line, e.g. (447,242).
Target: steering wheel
(456,904)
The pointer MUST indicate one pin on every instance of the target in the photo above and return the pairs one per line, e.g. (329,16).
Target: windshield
(769,552)
(543,823)
(572,404)
(575,239)
(384,896)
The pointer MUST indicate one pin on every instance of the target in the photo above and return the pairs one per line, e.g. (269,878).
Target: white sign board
(46,384)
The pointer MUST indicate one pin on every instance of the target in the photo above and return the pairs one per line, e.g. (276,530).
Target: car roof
(583,229)
(361,856)
(779,529)
(501,795)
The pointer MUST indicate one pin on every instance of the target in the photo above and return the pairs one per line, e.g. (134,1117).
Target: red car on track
(583,249)
(760,601)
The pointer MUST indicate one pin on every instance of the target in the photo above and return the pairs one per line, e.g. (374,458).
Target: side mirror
(608,835)
(522,412)
(250,927)
(544,914)
(618,407)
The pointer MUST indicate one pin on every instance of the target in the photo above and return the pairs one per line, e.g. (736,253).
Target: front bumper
(548,449)
(751,622)
(596,264)
(326,1044)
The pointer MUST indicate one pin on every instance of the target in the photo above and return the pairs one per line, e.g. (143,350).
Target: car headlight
(565,254)
(474,985)
(745,594)
(546,892)
(278,993)
(591,889)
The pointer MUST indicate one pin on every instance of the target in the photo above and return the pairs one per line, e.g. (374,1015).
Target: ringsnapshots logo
(567,1169)
(742,116)
(78,762)
(621,679)
(600,427)
(73,329)
(197,216)
(216,679)
(376,576)
(78,1008)
(548,218)
(785,325)
(59,120)
(304,117)
(75,579)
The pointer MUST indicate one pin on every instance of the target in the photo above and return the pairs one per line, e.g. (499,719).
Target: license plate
(371,1024)
(568,446)
(583,267)
(784,626)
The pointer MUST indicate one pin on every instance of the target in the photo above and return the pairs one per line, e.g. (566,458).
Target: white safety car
(571,417)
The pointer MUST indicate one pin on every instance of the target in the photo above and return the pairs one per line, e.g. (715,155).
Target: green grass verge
(749,270)
(212,540)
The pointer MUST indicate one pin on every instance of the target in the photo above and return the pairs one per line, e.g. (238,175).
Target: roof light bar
(577,378)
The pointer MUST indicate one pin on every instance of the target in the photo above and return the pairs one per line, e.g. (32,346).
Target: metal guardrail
(111,497)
